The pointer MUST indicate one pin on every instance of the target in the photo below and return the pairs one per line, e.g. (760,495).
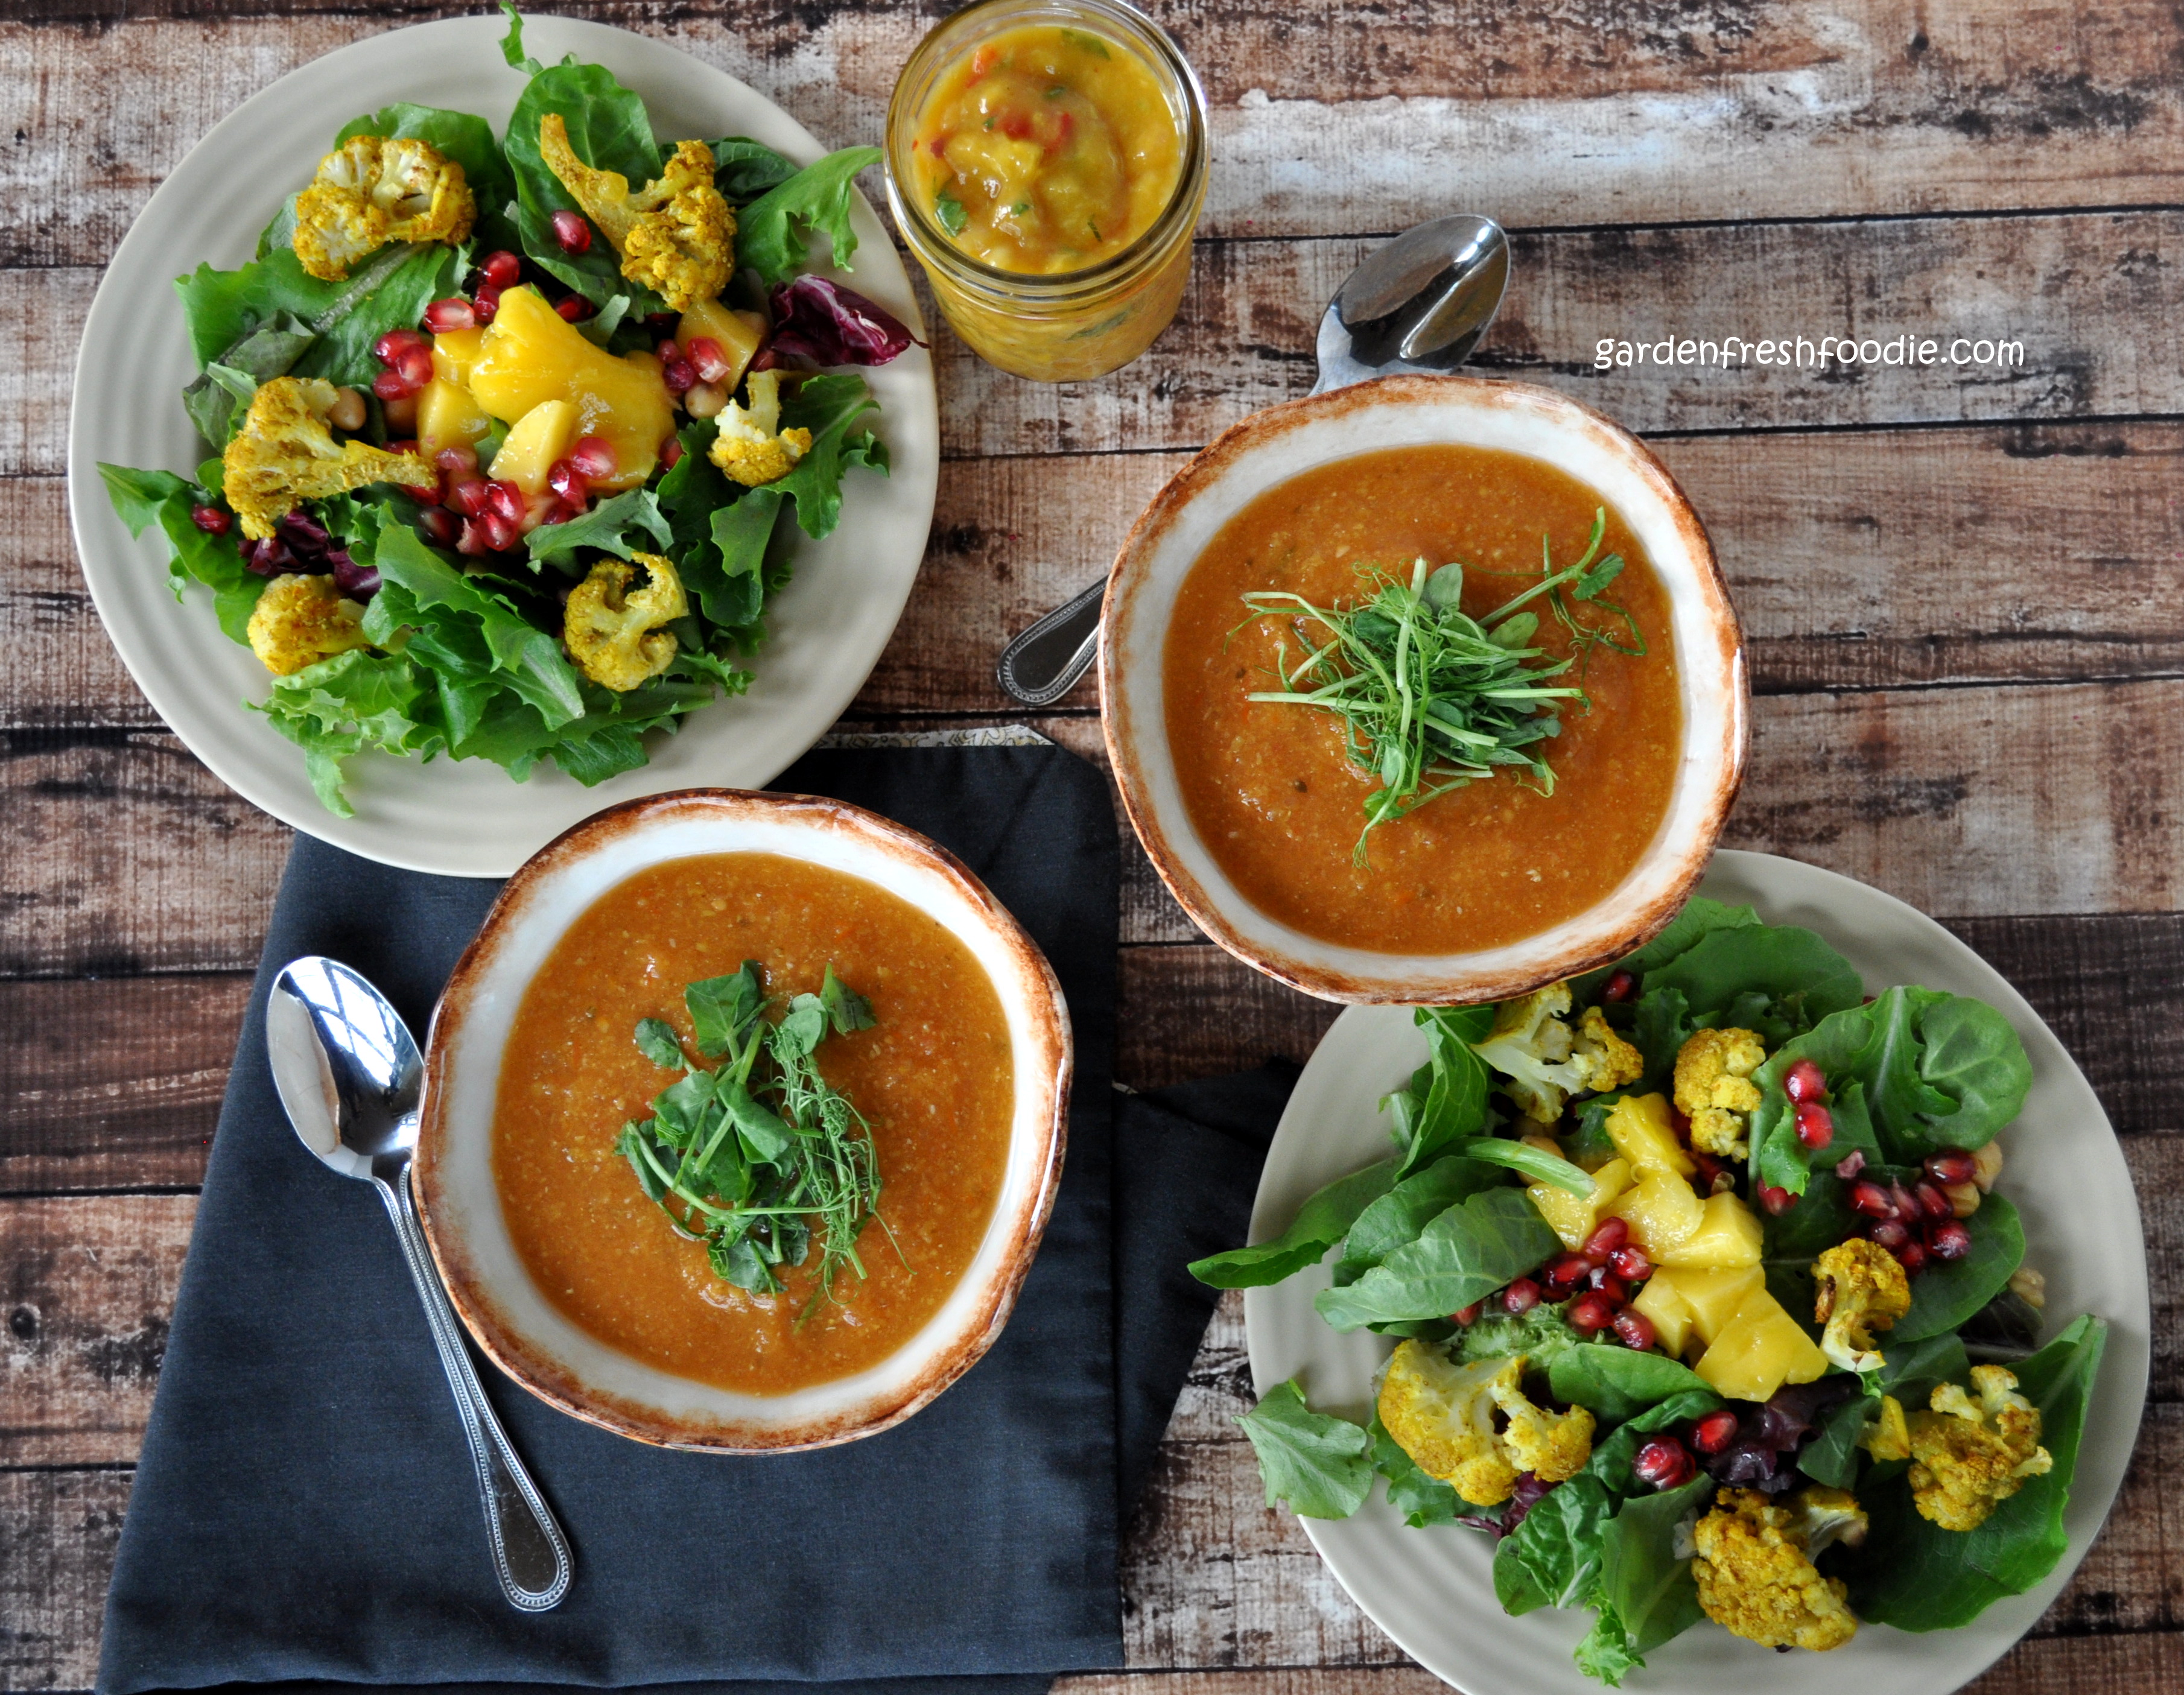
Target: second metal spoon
(1421,303)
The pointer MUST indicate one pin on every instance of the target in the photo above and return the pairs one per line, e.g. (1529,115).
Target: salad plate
(1433,1590)
(825,629)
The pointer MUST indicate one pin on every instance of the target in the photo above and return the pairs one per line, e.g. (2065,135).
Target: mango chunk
(531,355)
(1728,1235)
(737,334)
(1576,1217)
(1713,1296)
(448,417)
(1662,1213)
(454,352)
(1639,1126)
(540,435)
(1762,1349)
(1671,1313)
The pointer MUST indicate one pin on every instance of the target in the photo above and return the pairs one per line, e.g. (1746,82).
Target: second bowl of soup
(1425,691)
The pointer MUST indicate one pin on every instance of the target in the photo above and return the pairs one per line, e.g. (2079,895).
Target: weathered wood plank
(1549,114)
(114,1083)
(55,1556)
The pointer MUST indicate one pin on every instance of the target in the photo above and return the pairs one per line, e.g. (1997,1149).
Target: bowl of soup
(742,1118)
(1426,691)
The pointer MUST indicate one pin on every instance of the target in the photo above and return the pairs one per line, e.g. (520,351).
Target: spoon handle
(530,1553)
(1043,663)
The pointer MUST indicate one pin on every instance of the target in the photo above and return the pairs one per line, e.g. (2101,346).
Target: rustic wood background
(1961,589)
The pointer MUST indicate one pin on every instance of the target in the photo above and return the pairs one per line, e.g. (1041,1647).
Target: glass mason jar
(1053,326)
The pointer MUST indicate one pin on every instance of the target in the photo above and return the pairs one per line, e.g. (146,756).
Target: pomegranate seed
(704,353)
(1776,1201)
(1569,1271)
(594,456)
(1634,1329)
(1853,1162)
(1467,1315)
(1803,1081)
(1912,1257)
(451,313)
(467,495)
(440,525)
(415,365)
(1907,1208)
(1890,1233)
(389,347)
(505,498)
(1521,1296)
(501,268)
(462,461)
(427,494)
(1952,1165)
(568,481)
(1948,1240)
(1816,1124)
(1710,1169)
(670,452)
(1680,1121)
(211,520)
(485,303)
(391,385)
(1932,1202)
(1590,1312)
(1665,1463)
(1869,1198)
(1606,1283)
(540,509)
(1611,1234)
(573,308)
(1620,986)
(668,350)
(500,533)
(573,234)
(1631,1264)
(473,542)
(1714,1433)
(680,375)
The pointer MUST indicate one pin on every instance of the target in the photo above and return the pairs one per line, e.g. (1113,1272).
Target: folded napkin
(305,1513)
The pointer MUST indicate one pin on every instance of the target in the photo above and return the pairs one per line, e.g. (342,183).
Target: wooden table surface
(1961,588)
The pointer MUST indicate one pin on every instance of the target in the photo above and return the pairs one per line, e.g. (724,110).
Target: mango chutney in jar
(1046,163)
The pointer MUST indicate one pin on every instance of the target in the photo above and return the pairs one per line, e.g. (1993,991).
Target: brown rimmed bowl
(1271,446)
(529,1337)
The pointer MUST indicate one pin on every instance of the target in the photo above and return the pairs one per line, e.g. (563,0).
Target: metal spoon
(350,1076)
(1421,303)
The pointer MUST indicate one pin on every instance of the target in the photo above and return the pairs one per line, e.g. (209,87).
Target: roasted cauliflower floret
(300,620)
(1859,1288)
(1886,1435)
(675,235)
(1546,1062)
(1755,1571)
(373,191)
(752,447)
(1967,1455)
(285,454)
(613,633)
(1442,1415)
(1715,1089)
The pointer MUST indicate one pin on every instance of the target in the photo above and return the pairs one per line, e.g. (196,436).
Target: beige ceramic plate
(1271,447)
(467,819)
(529,1337)
(1433,1590)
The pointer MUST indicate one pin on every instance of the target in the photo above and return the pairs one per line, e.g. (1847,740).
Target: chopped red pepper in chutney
(1047,149)
(1276,801)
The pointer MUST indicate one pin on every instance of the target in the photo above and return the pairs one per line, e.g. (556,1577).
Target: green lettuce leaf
(340,706)
(1948,1291)
(1421,1499)
(624,523)
(772,232)
(1320,1223)
(745,169)
(148,499)
(1396,1217)
(1464,1255)
(1319,1465)
(1650,1591)
(1446,1098)
(1616,1382)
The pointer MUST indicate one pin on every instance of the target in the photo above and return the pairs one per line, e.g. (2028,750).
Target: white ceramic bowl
(1271,447)
(530,1338)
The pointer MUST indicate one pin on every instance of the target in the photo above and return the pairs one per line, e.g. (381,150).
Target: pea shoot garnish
(754,1155)
(1431,698)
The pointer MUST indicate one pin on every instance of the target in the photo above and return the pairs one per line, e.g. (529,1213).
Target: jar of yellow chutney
(1046,163)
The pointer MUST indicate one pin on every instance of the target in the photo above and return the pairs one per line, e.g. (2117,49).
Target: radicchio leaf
(829,325)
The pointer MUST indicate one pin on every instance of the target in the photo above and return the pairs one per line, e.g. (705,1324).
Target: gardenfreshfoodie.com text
(1805,353)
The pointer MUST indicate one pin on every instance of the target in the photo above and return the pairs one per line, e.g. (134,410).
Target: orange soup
(932,1076)
(1269,786)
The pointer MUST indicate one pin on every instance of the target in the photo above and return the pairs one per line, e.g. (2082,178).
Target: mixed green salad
(1705,1300)
(506,432)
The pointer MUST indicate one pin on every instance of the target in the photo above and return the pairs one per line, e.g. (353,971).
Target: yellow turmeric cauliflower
(285,454)
(1755,1571)
(614,634)
(1442,1415)
(1715,1091)
(675,236)
(1966,1455)
(1886,1436)
(752,447)
(1546,1062)
(1859,1288)
(373,191)
(300,620)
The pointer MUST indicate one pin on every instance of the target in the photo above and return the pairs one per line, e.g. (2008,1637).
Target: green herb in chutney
(1432,698)
(758,1154)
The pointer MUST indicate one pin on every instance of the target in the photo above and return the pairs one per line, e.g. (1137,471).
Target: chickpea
(401,415)
(348,413)
(2029,1286)
(705,400)
(1988,1162)
(1964,1198)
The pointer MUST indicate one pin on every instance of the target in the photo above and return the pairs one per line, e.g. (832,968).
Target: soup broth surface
(1269,786)
(933,1077)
